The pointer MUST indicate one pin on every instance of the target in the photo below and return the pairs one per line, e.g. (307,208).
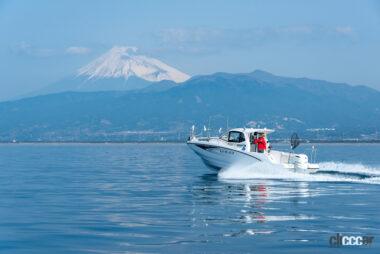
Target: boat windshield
(224,136)
(236,137)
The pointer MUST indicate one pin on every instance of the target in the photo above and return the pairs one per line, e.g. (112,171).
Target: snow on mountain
(119,69)
(125,62)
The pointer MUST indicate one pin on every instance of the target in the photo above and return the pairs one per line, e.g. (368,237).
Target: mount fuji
(119,69)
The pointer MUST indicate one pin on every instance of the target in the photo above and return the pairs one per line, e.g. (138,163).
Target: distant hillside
(311,107)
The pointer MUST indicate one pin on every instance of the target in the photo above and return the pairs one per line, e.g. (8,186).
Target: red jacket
(261,143)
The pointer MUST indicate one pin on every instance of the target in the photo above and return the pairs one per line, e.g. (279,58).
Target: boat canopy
(253,130)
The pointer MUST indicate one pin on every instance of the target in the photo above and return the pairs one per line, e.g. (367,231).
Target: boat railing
(208,139)
(203,138)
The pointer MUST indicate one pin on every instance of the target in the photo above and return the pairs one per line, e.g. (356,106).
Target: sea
(161,198)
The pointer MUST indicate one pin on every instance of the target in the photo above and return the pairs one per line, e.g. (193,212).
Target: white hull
(217,156)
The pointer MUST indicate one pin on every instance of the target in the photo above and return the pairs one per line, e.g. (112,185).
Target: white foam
(349,168)
(325,174)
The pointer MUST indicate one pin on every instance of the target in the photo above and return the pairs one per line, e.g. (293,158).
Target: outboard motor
(300,161)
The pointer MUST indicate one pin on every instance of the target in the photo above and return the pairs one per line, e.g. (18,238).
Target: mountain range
(314,108)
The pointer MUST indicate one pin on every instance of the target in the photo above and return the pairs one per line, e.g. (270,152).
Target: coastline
(184,141)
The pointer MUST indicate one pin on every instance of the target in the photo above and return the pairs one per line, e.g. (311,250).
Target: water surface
(160,198)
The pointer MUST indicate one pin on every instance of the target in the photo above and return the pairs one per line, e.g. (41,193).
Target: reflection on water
(257,199)
(157,198)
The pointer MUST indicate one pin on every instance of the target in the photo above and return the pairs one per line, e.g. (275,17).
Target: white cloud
(24,48)
(77,50)
(206,40)
(344,30)
(27,49)
(296,30)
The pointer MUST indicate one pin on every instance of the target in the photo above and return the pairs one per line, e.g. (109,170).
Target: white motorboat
(237,147)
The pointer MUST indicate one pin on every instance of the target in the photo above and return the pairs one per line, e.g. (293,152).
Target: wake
(328,172)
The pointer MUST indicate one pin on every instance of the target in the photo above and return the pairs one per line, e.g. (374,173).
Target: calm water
(160,198)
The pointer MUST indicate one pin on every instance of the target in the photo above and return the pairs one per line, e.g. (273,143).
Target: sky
(43,41)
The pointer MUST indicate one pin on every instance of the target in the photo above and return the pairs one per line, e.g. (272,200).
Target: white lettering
(352,240)
(345,240)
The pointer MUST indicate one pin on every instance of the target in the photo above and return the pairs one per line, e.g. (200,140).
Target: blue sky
(44,41)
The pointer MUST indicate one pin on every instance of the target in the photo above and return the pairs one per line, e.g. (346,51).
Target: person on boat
(253,142)
(261,143)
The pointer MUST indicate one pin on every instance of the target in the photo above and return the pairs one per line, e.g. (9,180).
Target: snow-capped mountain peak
(125,62)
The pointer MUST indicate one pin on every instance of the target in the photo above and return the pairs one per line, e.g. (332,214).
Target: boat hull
(216,157)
